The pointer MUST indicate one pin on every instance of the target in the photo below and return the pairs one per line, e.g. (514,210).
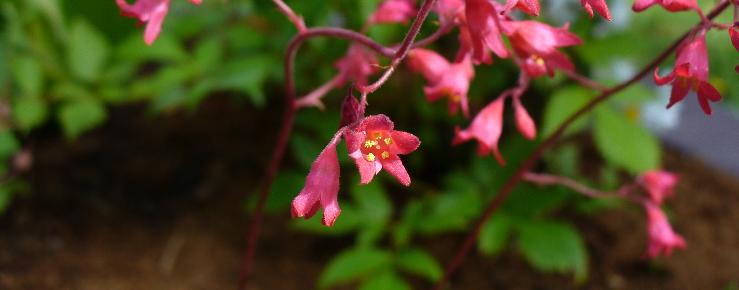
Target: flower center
(377,145)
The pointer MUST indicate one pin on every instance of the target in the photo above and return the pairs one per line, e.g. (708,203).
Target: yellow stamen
(370,157)
(385,155)
(388,141)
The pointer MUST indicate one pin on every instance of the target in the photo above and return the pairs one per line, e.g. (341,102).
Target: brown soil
(121,208)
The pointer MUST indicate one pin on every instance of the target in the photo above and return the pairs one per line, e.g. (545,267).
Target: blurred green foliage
(62,63)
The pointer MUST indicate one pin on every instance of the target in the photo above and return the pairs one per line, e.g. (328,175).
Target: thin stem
(444,29)
(314,97)
(294,18)
(585,81)
(548,142)
(544,179)
(405,46)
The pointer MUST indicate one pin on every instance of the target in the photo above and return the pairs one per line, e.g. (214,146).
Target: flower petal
(403,142)
(524,123)
(679,91)
(660,81)
(154,25)
(367,169)
(394,166)
(376,122)
(641,5)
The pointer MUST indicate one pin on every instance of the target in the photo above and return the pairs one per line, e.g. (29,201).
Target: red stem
(527,165)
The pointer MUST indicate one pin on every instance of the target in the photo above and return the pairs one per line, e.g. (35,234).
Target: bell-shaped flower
(658,184)
(321,188)
(374,145)
(690,73)
(394,11)
(444,79)
(486,128)
(151,12)
(669,5)
(524,123)
(599,6)
(357,65)
(536,44)
(530,7)
(480,34)
(661,238)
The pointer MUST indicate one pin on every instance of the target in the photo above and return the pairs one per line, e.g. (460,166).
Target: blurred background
(126,166)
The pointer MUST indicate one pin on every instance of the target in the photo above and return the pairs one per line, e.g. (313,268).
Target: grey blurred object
(684,127)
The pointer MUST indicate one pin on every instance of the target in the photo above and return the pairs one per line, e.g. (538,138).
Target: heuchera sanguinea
(357,65)
(480,32)
(536,45)
(524,123)
(690,73)
(151,12)
(669,5)
(658,184)
(444,79)
(374,145)
(321,188)
(486,128)
(599,6)
(530,7)
(661,238)
(394,11)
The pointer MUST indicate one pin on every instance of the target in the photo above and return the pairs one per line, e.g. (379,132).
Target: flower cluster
(662,239)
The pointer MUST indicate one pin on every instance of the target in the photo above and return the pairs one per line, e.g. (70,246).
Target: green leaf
(305,149)
(28,75)
(6,196)
(372,203)
(29,112)
(87,50)
(634,95)
(419,262)
(208,53)
(353,264)
(412,215)
(387,280)
(349,221)
(450,211)
(246,75)
(285,187)
(8,144)
(494,234)
(562,104)
(624,142)
(553,246)
(79,116)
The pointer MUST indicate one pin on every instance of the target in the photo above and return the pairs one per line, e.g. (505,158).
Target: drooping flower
(321,188)
(669,5)
(662,239)
(357,65)
(524,123)
(374,145)
(479,34)
(599,6)
(530,7)
(659,184)
(394,11)
(444,79)
(690,73)
(486,127)
(448,10)
(151,12)
(536,44)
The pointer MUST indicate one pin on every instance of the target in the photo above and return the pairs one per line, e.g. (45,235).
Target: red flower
(662,239)
(486,127)
(150,11)
(536,44)
(394,11)
(734,35)
(658,184)
(690,73)
(599,6)
(448,10)
(357,65)
(480,32)
(669,5)
(321,188)
(524,123)
(445,79)
(530,7)
(374,145)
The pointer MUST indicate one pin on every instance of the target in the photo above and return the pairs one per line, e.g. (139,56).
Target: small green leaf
(79,116)
(450,211)
(561,105)
(208,53)
(285,187)
(8,144)
(494,234)
(553,246)
(372,203)
(166,49)
(353,264)
(419,262)
(624,142)
(28,75)
(87,50)
(412,215)
(29,112)
(387,280)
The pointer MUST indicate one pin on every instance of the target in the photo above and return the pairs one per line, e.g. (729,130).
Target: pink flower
(662,239)
(669,5)
(448,10)
(524,123)
(394,11)
(321,188)
(480,32)
(486,127)
(374,145)
(536,44)
(599,6)
(658,184)
(734,35)
(357,65)
(150,11)
(690,73)
(445,79)
(530,7)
